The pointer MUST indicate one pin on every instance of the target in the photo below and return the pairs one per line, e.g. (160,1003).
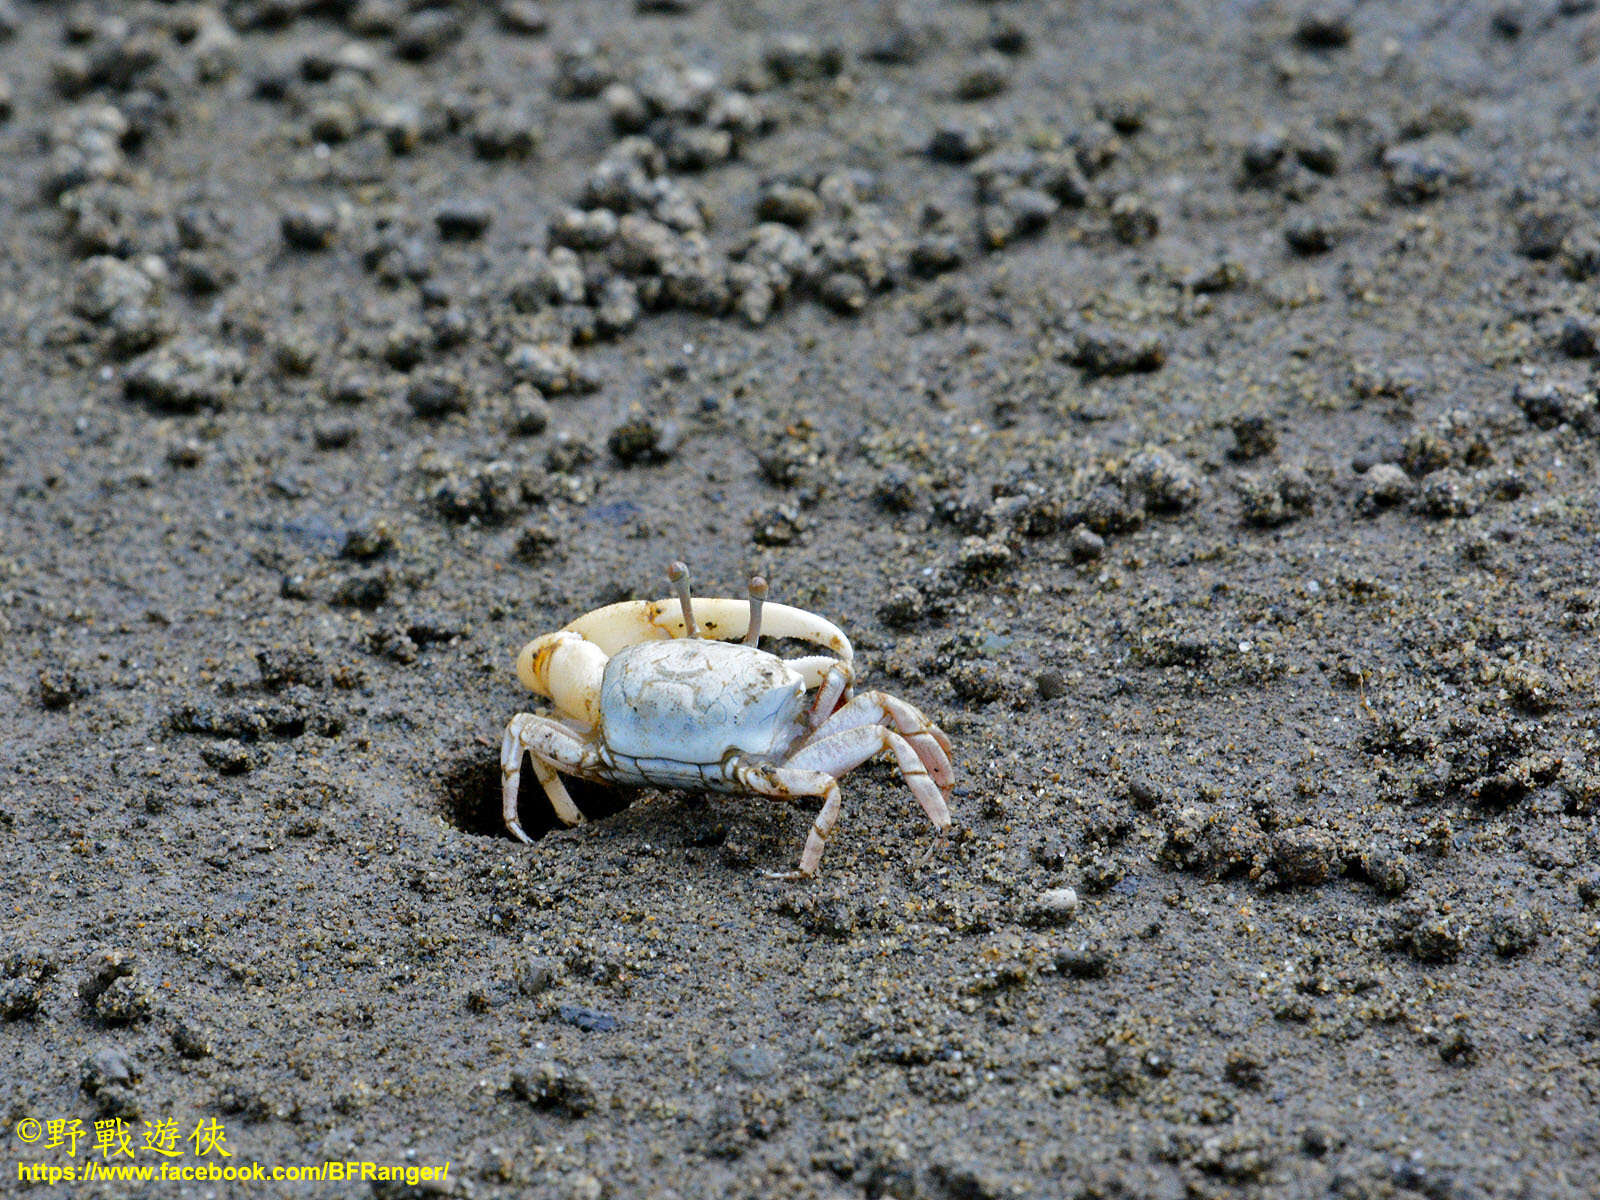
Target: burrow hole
(470,791)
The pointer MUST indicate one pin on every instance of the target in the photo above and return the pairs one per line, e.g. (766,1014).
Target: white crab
(642,697)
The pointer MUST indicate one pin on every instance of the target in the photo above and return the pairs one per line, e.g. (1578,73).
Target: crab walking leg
(787,782)
(550,746)
(880,708)
(848,749)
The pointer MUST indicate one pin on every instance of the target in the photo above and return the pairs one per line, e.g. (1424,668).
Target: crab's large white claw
(566,668)
(719,618)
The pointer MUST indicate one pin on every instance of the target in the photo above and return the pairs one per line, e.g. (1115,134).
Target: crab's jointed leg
(551,746)
(848,749)
(788,782)
(880,708)
(815,769)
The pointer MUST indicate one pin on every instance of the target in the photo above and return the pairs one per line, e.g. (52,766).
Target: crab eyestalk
(758,593)
(678,576)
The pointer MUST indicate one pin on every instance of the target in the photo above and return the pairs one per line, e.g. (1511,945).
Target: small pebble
(535,543)
(1437,940)
(777,525)
(528,412)
(289,666)
(1084,960)
(1446,494)
(1056,906)
(310,227)
(1383,486)
(1311,234)
(527,17)
(438,393)
(1085,545)
(960,142)
(1579,338)
(1263,154)
(191,1039)
(989,77)
(640,439)
(185,376)
(789,204)
(1579,253)
(902,608)
(463,220)
(797,57)
(551,368)
(500,133)
(1021,212)
(1008,36)
(351,388)
(334,435)
(1100,350)
(1324,27)
(1051,684)
(1134,219)
(1541,228)
(583,228)
(428,32)
(535,973)
(553,1086)
(125,1001)
(59,687)
(228,757)
(333,121)
(844,293)
(1589,890)
(582,72)
(1254,436)
(1459,1048)
(1162,481)
(103,284)
(108,1067)
(1276,498)
(587,1019)
(490,494)
(1420,171)
(1513,933)
(1303,856)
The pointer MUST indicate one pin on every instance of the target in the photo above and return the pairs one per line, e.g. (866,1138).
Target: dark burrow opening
(470,790)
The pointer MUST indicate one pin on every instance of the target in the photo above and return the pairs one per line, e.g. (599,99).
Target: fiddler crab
(677,693)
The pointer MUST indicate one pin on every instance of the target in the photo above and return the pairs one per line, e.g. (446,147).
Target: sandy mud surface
(1190,406)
